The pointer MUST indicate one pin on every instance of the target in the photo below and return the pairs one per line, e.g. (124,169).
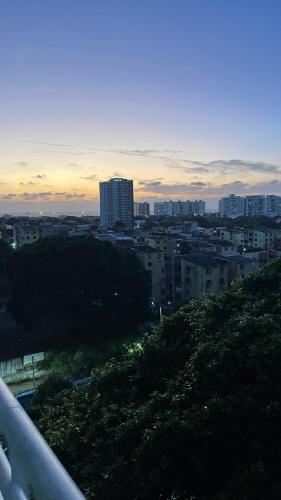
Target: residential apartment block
(154,263)
(177,208)
(233,206)
(198,274)
(117,202)
(142,209)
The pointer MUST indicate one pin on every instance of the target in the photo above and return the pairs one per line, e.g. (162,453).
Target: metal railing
(29,470)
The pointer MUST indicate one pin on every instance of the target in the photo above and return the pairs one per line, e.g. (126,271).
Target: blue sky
(166,92)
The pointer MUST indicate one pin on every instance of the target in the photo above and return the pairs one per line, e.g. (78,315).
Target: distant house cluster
(184,260)
(250,206)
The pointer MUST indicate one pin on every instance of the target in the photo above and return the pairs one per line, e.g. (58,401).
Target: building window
(208,284)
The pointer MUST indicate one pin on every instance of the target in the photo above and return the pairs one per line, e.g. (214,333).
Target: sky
(183,96)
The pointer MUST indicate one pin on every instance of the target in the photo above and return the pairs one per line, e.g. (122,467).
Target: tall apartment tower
(142,209)
(117,202)
(255,205)
(232,206)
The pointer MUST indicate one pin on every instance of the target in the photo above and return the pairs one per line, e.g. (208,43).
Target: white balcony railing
(29,470)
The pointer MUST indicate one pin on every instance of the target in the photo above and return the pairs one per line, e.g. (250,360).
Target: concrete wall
(22,368)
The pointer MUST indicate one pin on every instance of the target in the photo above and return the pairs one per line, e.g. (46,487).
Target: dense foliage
(193,411)
(79,287)
(5,251)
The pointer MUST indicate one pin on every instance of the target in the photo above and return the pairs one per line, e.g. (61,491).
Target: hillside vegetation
(195,410)
(71,290)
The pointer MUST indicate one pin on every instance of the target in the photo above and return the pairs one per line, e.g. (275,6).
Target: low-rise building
(264,257)
(25,234)
(202,274)
(154,263)
(235,236)
(259,238)
(239,266)
(117,239)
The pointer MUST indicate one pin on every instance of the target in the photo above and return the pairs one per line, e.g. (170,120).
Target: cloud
(202,189)
(150,153)
(35,196)
(30,183)
(199,183)
(39,176)
(76,153)
(223,166)
(146,152)
(8,196)
(91,178)
(117,174)
(22,164)
(50,195)
(70,196)
(167,189)
(171,160)
(150,183)
(58,145)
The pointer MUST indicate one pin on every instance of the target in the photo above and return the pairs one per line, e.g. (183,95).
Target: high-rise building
(232,206)
(164,208)
(273,205)
(175,208)
(198,207)
(255,205)
(117,202)
(252,205)
(142,209)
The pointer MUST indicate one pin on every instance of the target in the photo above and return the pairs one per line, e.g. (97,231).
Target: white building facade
(117,202)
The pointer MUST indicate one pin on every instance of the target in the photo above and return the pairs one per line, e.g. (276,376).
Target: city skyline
(183,98)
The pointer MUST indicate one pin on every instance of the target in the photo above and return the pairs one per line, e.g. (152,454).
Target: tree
(185,248)
(79,287)
(5,251)
(201,413)
(119,226)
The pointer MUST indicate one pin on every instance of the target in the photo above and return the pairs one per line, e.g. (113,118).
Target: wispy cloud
(22,164)
(150,183)
(43,195)
(146,152)
(172,160)
(91,178)
(29,183)
(7,196)
(223,166)
(207,189)
(58,145)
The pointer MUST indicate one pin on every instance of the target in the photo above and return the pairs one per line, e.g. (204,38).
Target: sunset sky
(183,96)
